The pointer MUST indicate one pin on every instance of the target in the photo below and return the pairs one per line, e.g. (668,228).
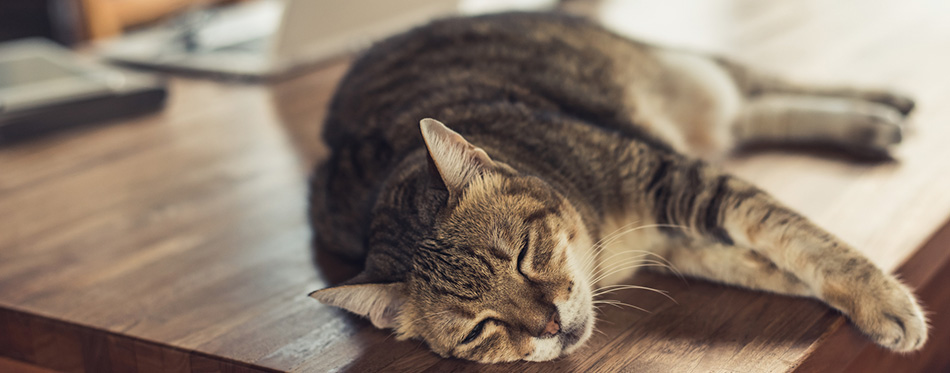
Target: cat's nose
(553,326)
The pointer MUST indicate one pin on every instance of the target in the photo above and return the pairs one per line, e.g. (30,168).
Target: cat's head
(502,277)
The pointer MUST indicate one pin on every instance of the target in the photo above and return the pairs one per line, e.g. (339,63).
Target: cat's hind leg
(855,125)
(776,111)
(704,106)
(753,83)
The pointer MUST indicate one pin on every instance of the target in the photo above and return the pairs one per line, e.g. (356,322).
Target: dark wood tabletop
(179,241)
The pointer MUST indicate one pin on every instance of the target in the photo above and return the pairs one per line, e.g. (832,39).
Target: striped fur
(480,240)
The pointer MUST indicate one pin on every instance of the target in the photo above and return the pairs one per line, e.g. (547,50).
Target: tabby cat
(477,162)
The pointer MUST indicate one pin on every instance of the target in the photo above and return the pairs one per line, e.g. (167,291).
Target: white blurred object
(490,6)
(691,24)
(269,38)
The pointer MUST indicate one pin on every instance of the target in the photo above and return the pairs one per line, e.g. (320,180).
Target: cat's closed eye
(476,331)
(521,255)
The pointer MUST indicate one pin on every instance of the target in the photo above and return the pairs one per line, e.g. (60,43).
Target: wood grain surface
(179,241)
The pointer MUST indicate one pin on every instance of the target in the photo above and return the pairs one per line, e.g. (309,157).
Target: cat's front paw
(893,319)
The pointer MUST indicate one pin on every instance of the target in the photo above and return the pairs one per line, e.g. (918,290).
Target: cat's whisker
(613,263)
(593,250)
(614,233)
(634,229)
(589,263)
(597,248)
(619,304)
(600,245)
(643,254)
(625,286)
(628,266)
(602,273)
(624,262)
(613,288)
(598,319)
(648,253)
(611,304)
(610,288)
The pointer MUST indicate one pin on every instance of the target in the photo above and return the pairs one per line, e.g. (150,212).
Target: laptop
(266,39)
(47,88)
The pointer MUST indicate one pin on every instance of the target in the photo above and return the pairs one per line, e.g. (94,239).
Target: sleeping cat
(487,170)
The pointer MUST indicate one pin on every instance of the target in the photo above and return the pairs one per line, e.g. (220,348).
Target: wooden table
(179,241)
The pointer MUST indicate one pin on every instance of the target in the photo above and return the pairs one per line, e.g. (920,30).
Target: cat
(478,164)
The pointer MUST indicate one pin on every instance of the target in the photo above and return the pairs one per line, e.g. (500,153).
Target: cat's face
(504,277)
(503,274)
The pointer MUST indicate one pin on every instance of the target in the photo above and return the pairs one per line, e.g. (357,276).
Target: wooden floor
(179,242)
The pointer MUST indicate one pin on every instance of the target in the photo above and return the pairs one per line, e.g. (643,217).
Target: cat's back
(459,68)
(486,77)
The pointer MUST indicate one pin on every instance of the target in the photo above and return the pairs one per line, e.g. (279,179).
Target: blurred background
(73,21)
(63,60)
(155,157)
(70,22)
(58,57)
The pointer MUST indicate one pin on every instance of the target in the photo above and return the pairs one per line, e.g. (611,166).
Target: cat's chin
(581,337)
(565,343)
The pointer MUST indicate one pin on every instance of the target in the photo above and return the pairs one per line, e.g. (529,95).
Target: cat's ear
(380,303)
(456,160)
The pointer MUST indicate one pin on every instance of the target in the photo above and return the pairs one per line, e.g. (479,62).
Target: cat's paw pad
(893,320)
